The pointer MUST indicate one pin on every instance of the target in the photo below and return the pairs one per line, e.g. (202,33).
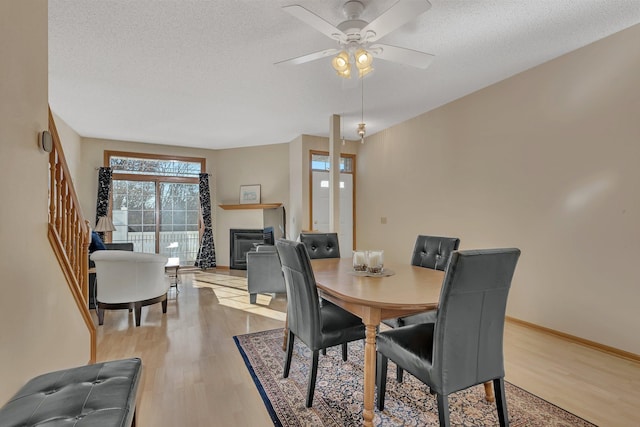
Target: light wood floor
(193,374)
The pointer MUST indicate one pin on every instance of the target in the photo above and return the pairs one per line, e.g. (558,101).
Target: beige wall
(546,161)
(71,144)
(40,326)
(267,165)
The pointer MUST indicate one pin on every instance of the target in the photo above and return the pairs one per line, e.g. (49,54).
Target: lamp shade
(104,224)
(363,62)
(341,64)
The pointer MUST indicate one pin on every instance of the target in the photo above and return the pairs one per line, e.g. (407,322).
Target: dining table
(399,290)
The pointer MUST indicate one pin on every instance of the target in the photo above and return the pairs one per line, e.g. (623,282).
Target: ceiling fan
(354,36)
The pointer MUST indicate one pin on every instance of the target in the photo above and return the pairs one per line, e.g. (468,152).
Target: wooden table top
(410,288)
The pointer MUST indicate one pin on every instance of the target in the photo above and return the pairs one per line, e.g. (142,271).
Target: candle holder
(359,261)
(375,261)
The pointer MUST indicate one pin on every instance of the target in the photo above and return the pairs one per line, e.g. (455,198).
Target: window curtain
(104,187)
(207,252)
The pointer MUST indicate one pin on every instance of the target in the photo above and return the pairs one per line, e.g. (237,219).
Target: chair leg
(344,351)
(286,333)
(381,379)
(324,351)
(252,298)
(443,409)
(501,402)
(138,312)
(312,378)
(399,372)
(164,306)
(100,315)
(287,361)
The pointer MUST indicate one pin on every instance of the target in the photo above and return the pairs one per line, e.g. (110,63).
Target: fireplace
(242,241)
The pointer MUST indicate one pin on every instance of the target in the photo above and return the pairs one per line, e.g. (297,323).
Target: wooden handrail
(69,232)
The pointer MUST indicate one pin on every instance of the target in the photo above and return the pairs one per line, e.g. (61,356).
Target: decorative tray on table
(384,273)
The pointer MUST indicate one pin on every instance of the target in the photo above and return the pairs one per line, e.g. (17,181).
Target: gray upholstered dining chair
(321,245)
(463,347)
(318,326)
(429,252)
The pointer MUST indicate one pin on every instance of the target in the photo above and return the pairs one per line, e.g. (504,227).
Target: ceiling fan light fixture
(344,74)
(341,64)
(363,59)
(364,71)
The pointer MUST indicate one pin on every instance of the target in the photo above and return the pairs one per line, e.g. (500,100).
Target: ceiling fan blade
(316,22)
(402,55)
(396,16)
(308,58)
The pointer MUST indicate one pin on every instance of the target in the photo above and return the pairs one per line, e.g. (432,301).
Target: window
(321,162)
(158,167)
(325,184)
(156,204)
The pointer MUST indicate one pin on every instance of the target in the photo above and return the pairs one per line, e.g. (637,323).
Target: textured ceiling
(200,73)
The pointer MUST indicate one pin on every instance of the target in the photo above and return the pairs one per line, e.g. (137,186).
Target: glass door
(179,233)
(158,217)
(134,214)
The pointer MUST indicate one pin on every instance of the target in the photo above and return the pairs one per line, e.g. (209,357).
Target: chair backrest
(321,245)
(125,276)
(268,236)
(467,348)
(434,252)
(303,309)
(120,246)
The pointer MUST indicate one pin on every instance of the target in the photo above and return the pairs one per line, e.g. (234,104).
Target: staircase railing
(69,232)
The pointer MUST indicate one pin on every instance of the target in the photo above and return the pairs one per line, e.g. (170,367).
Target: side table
(171,267)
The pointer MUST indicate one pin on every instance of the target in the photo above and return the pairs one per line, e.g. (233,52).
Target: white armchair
(129,280)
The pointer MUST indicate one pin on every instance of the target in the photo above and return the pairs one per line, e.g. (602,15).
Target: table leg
(488,392)
(371,321)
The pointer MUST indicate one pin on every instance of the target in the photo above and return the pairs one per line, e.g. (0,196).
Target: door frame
(353,195)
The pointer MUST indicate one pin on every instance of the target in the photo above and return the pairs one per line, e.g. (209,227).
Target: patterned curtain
(207,252)
(104,187)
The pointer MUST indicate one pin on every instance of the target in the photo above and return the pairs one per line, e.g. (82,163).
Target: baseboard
(595,345)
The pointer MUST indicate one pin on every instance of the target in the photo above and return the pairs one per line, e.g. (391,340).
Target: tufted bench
(99,395)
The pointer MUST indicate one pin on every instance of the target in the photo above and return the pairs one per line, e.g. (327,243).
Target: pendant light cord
(362,100)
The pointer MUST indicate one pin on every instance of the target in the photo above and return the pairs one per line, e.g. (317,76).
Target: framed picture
(249,194)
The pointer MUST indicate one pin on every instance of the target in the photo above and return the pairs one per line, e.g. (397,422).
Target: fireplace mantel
(251,206)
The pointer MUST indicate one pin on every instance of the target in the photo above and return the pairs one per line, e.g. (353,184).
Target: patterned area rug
(338,397)
(202,278)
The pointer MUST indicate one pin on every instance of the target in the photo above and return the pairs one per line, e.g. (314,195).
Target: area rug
(220,280)
(338,397)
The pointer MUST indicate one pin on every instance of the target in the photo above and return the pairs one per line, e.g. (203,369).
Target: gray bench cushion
(99,395)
